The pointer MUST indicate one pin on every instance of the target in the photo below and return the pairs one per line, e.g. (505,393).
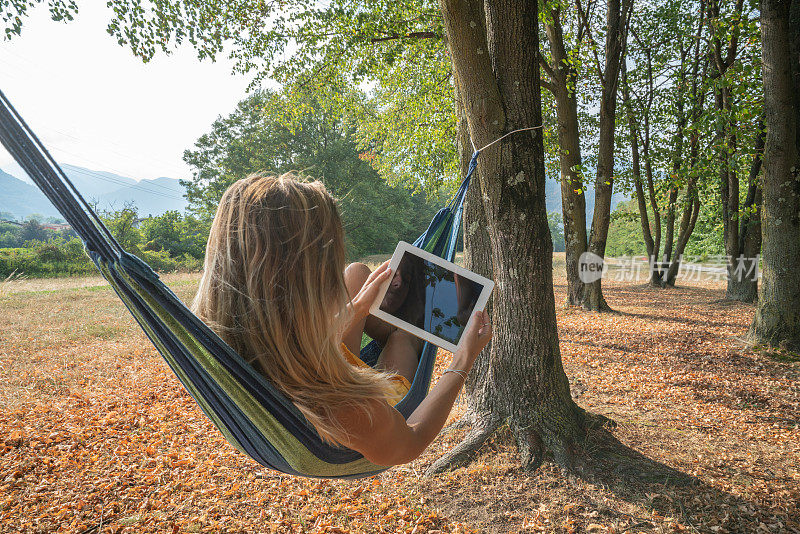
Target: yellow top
(400,384)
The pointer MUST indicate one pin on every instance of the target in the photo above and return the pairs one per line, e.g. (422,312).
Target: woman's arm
(386,438)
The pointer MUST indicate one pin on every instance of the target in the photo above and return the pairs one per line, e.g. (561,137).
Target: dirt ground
(97,435)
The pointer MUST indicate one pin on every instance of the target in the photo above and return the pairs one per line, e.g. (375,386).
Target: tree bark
(777,318)
(616,36)
(573,200)
(496,61)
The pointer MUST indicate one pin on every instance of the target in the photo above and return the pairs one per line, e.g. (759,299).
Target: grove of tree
(689,107)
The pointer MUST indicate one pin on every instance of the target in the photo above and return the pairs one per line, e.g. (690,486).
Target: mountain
(105,190)
(152,197)
(110,191)
(21,199)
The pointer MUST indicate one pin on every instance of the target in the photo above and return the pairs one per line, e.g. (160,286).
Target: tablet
(430,297)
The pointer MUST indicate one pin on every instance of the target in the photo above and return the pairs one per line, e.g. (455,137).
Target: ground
(97,435)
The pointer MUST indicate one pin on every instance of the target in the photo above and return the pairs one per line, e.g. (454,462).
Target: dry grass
(95,432)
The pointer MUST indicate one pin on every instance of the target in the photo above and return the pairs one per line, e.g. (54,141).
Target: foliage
(55,257)
(176,234)
(32,231)
(177,244)
(625,232)
(95,428)
(13,11)
(556,223)
(272,132)
(394,47)
(123,225)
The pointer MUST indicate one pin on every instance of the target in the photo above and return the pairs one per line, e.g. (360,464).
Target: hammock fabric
(250,412)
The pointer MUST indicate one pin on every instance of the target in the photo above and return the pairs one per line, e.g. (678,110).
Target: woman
(275,288)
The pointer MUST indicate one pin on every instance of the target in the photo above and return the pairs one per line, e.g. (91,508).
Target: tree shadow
(669,492)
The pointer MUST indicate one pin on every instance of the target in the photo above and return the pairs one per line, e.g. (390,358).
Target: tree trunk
(636,169)
(677,164)
(750,228)
(573,199)
(691,209)
(495,60)
(477,258)
(777,319)
(691,204)
(616,35)
(738,286)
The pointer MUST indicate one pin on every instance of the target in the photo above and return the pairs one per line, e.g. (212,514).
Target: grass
(93,426)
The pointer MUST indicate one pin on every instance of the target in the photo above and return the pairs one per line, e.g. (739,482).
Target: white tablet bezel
(402,248)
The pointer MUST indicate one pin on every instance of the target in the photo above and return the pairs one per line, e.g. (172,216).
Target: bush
(64,255)
(50,252)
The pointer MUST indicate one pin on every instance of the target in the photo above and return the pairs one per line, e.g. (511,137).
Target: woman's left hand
(366,296)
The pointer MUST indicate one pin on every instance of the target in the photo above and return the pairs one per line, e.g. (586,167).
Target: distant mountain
(152,197)
(21,199)
(106,190)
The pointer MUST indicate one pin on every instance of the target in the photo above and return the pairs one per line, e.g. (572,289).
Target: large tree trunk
(477,258)
(573,199)
(777,319)
(616,35)
(495,60)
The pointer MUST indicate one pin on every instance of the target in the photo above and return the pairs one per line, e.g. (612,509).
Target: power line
(135,186)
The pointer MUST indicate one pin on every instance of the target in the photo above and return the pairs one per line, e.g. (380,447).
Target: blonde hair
(273,289)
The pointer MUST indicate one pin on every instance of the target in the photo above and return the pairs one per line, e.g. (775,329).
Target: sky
(93,104)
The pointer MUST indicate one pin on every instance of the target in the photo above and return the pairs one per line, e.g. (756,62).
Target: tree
(494,60)
(123,224)
(176,233)
(494,50)
(617,19)
(33,231)
(556,223)
(562,74)
(724,51)
(278,132)
(777,319)
(662,100)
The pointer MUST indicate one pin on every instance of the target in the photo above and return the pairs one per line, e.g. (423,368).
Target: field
(96,434)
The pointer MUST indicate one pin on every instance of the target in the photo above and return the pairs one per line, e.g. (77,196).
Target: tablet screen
(431,297)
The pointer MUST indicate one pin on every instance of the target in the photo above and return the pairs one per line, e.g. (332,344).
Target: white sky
(93,104)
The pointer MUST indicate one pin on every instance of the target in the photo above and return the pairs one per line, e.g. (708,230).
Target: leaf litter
(96,434)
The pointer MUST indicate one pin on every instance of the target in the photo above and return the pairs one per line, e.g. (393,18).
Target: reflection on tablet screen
(431,297)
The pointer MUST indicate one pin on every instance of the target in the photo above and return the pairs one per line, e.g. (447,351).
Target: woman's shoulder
(373,429)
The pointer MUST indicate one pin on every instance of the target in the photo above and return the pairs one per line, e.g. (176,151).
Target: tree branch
(584,22)
(546,68)
(412,35)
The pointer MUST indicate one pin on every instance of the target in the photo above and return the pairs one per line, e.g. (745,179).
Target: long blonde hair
(273,289)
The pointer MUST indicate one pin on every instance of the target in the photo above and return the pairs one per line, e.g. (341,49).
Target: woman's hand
(475,338)
(366,296)
(384,437)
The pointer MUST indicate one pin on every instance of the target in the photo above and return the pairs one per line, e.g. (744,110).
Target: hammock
(250,412)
